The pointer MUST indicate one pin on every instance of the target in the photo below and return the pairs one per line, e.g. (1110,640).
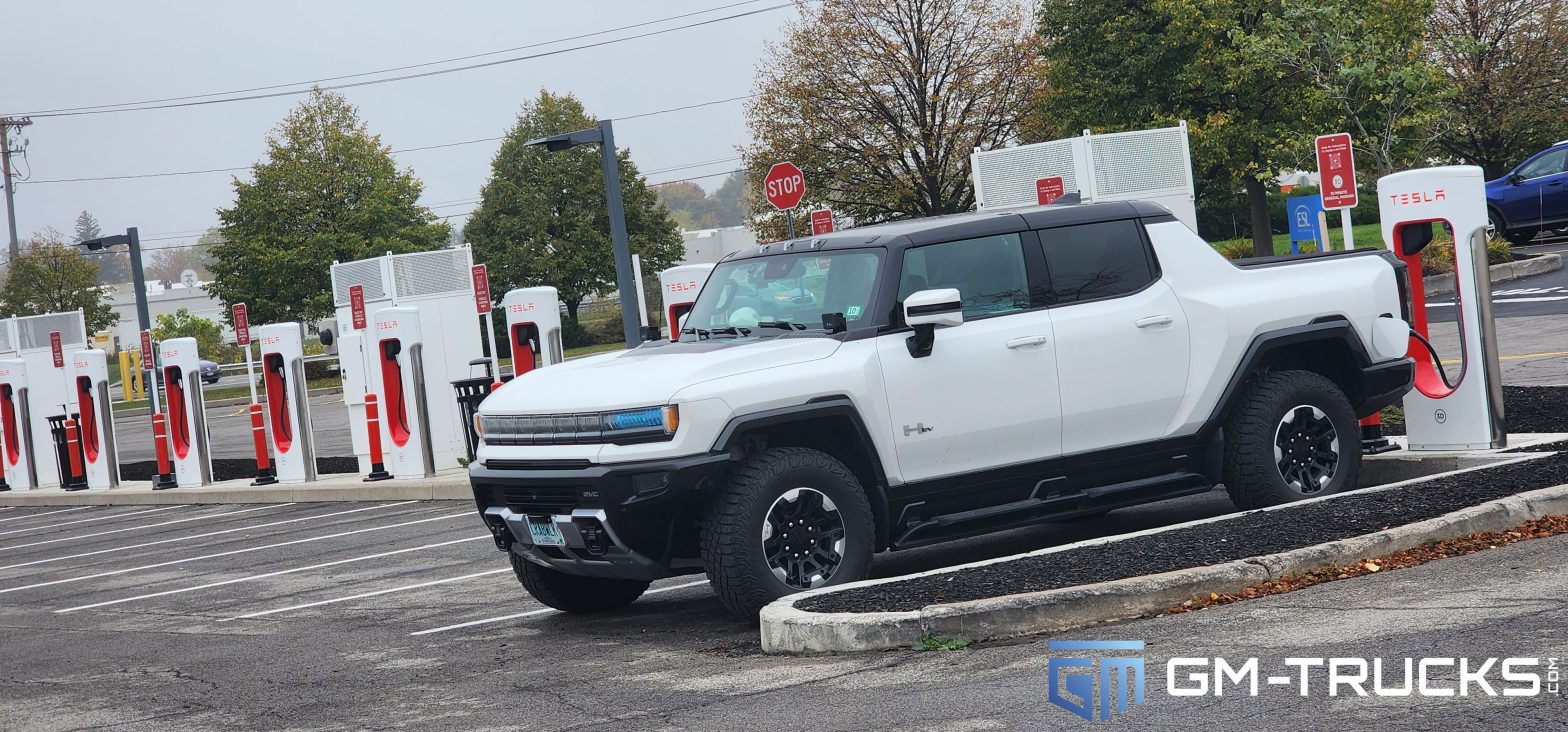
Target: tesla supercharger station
(533,328)
(440,285)
(18,450)
(95,418)
(288,401)
(47,388)
(1453,406)
(679,287)
(187,413)
(399,372)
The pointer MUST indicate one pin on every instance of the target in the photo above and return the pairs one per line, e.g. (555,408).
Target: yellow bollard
(126,375)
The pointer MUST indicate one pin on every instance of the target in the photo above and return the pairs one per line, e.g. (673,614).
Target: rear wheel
(572,593)
(1292,436)
(788,519)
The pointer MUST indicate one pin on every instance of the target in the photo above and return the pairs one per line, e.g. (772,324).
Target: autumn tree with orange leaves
(881,102)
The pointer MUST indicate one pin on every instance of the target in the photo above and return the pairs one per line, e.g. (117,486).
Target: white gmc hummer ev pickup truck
(909,383)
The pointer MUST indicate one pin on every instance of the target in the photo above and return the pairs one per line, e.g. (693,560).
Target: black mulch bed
(232,469)
(1239,537)
(1525,409)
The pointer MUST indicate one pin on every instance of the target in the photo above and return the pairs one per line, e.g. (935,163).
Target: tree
(1507,61)
(51,277)
(1367,69)
(327,191)
(86,228)
(181,324)
(542,218)
(881,102)
(168,263)
(1120,64)
(688,204)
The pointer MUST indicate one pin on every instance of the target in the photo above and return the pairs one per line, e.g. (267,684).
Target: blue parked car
(1532,197)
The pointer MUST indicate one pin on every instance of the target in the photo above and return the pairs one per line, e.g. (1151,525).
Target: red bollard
(378,471)
(160,437)
(77,480)
(1372,439)
(4,486)
(265,474)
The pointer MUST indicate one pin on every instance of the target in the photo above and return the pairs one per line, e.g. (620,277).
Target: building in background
(164,298)
(708,246)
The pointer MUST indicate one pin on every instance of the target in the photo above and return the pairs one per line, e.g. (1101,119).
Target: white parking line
(203,536)
(79,537)
(253,577)
(45,513)
(544,611)
(90,520)
(364,595)
(229,553)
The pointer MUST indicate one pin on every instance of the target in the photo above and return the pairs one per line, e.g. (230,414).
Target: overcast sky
(73,54)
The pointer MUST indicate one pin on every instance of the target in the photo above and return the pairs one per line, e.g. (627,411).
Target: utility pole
(6,123)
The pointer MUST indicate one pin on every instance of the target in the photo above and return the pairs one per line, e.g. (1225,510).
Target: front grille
(508,464)
(541,499)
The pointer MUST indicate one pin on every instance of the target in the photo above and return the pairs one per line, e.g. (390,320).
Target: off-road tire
(572,593)
(732,525)
(1251,474)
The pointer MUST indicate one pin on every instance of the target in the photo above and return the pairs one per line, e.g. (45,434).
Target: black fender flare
(1332,328)
(827,407)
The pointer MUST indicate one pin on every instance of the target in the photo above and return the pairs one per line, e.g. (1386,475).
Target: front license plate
(544,532)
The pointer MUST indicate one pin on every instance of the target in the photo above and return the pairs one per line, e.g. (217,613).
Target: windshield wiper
(705,333)
(781,325)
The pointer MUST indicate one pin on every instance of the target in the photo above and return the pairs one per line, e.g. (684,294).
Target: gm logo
(1116,673)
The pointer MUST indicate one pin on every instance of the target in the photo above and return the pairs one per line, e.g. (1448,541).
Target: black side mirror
(1515,178)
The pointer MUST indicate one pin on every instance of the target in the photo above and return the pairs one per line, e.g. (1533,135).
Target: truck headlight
(649,420)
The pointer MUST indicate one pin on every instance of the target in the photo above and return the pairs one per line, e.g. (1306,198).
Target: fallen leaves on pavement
(1468,544)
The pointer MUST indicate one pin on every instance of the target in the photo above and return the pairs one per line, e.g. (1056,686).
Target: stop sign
(784,186)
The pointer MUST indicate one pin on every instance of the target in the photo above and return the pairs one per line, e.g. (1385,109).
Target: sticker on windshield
(852,311)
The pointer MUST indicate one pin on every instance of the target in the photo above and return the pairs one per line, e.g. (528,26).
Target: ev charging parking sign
(1337,171)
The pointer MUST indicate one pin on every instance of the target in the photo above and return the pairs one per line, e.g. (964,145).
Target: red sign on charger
(241,325)
(1337,171)
(1047,190)
(481,288)
(56,350)
(146,350)
(821,221)
(356,305)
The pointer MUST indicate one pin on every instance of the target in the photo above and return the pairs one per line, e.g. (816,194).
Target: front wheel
(1293,436)
(574,594)
(788,519)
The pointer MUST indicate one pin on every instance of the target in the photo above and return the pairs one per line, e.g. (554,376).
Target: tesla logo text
(389,325)
(520,308)
(682,286)
(1406,199)
(270,340)
(171,354)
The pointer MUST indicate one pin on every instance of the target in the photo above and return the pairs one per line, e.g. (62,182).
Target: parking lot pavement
(230,431)
(353,616)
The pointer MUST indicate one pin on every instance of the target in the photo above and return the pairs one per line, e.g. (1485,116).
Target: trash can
(62,454)
(470,393)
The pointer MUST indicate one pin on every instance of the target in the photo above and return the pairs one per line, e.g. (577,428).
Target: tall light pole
(133,242)
(625,280)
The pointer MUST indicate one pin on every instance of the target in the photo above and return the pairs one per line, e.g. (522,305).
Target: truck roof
(967,225)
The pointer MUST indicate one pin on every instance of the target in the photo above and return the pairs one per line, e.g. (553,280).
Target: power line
(136,176)
(696,177)
(406,77)
(400,68)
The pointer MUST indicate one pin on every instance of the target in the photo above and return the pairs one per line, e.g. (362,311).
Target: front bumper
(1383,384)
(624,521)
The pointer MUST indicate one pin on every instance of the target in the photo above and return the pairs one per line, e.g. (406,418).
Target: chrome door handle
(1154,320)
(1026,341)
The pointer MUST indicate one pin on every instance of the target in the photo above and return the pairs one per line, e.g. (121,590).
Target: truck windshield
(797,289)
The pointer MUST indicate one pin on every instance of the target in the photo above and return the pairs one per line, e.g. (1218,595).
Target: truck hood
(649,375)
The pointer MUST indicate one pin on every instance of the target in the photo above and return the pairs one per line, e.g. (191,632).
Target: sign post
(242,337)
(784,186)
(821,221)
(1337,178)
(1049,189)
(481,275)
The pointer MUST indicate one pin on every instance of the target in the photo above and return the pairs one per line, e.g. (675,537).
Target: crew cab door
(986,395)
(1541,193)
(1122,346)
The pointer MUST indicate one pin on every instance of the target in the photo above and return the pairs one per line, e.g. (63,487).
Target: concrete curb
(1443,284)
(446,486)
(786,629)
